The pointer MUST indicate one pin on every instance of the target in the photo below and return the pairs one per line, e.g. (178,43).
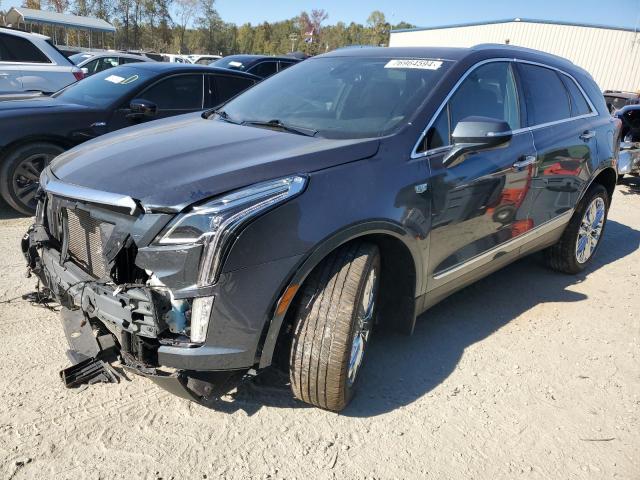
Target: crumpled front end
(98,262)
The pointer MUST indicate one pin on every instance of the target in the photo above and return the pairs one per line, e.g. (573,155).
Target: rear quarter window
(227,87)
(16,49)
(579,105)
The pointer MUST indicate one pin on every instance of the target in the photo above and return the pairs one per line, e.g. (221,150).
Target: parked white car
(172,58)
(98,62)
(30,62)
(203,59)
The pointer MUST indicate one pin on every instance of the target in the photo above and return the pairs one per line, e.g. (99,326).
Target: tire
(20,173)
(565,256)
(329,315)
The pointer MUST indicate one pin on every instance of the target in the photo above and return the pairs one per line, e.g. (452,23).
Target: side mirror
(476,133)
(141,109)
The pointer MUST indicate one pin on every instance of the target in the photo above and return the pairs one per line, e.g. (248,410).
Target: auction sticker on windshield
(411,63)
(114,79)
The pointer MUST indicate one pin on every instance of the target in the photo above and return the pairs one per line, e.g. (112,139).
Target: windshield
(106,87)
(340,97)
(234,63)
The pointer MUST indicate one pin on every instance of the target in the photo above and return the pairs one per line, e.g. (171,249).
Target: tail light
(79,74)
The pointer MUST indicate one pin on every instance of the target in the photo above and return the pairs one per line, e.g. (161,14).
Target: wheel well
(396,305)
(608,178)
(59,142)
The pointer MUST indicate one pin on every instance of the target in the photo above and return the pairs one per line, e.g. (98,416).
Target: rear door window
(545,95)
(284,64)
(264,69)
(16,49)
(224,87)
(100,64)
(181,92)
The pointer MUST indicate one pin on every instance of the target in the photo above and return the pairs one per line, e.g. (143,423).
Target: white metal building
(610,54)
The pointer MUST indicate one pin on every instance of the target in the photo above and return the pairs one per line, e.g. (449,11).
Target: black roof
(250,58)
(486,50)
(160,67)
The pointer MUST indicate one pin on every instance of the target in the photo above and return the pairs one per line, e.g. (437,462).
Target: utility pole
(294,38)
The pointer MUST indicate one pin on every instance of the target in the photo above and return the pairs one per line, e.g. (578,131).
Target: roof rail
(485,46)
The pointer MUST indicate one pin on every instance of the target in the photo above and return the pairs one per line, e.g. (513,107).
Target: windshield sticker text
(114,79)
(419,64)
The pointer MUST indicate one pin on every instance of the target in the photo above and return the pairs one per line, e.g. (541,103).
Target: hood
(43,104)
(170,164)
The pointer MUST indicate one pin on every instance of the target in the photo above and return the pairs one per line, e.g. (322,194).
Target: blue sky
(622,13)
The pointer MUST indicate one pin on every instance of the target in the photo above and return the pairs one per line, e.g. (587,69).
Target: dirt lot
(527,374)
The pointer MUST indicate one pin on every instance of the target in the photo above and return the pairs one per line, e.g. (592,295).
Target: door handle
(587,134)
(525,162)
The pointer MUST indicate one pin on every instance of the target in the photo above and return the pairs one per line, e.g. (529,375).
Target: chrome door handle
(587,134)
(525,162)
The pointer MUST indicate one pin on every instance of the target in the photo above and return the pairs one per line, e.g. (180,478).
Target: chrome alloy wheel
(26,177)
(590,230)
(364,323)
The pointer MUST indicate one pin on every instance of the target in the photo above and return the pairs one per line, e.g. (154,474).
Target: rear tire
(583,234)
(20,174)
(333,318)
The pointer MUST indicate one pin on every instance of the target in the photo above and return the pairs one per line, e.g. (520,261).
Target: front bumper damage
(104,322)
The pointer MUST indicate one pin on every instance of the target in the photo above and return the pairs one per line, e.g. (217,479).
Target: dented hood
(170,164)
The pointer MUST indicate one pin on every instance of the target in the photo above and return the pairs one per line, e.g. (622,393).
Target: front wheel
(581,239)
(334,316)
(20,174)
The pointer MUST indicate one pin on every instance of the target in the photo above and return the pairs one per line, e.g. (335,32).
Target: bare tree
(185,10)
(59,6)
(35,4)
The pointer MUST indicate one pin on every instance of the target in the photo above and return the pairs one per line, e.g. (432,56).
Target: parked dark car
(36,130)
(617,99)
(262,66)
(355,190)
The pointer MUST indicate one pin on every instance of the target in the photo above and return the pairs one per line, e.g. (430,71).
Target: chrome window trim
(594,112)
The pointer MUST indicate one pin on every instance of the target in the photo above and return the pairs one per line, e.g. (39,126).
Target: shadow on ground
(401,369)
(8,213)
(632,183)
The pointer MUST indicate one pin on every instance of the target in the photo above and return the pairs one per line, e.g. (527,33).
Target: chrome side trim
(593,113)
(507,247)
(74,192)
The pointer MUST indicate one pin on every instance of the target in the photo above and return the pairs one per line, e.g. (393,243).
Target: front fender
(365,229)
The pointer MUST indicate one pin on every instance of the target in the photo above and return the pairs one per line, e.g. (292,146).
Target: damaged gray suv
(351,191)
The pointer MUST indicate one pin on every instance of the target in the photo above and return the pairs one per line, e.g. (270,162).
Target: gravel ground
(526,374)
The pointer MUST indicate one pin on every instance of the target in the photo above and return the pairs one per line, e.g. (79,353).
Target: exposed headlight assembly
(215,223)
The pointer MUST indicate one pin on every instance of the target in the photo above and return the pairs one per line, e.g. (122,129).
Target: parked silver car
(30,62)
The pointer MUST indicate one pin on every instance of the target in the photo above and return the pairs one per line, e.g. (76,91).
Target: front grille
(85,242)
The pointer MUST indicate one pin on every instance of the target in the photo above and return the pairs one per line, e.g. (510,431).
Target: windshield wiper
(307,132)
(224,116)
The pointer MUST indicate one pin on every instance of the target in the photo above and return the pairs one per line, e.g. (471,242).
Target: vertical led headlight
(216,223)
